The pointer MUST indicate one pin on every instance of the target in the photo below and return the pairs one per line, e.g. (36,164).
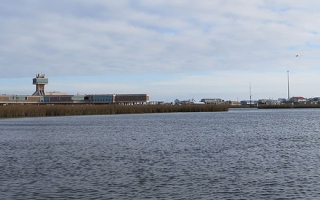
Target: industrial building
(212,101)
(40,96)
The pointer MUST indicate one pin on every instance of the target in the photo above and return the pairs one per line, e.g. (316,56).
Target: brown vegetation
(65,110)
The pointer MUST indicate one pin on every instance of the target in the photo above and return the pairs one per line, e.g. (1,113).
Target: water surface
(240,154)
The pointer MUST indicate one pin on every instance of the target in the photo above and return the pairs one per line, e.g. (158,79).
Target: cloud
(93,38)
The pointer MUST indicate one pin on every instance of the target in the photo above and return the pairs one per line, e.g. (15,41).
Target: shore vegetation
(13,111)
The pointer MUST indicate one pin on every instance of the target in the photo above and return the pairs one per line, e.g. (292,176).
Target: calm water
(240,154)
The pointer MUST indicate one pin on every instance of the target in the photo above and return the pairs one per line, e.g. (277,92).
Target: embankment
(285,106)
(66,110)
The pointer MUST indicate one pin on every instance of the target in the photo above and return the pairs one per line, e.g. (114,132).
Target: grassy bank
(66,110)
(289,106)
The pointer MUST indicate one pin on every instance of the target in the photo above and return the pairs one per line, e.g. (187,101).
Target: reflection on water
(240,154)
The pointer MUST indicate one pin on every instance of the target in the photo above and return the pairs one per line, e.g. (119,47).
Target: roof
(298,97)
(55,93)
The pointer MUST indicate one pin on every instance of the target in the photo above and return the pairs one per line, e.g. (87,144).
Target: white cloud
(91,38)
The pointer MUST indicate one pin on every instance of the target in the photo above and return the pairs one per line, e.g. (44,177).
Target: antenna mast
(288,85)
(250,94)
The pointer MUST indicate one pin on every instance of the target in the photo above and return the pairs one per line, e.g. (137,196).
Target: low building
(248,102)
(234,103)
(269,102)
(212,101)
(40,96)
(131,98)
(189,101)
(297,100)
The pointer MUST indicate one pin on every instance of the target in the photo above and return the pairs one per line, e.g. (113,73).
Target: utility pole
(288,85)
(250,94)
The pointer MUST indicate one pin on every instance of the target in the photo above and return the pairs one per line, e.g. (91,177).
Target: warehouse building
(212,101)
(40,96)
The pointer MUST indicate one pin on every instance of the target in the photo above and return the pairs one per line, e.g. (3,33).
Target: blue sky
(170,49)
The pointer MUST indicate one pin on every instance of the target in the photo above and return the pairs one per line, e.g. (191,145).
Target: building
(249,102)
(298,99)
(184,102)
(269,102)
(212,101)
(40,96)
(40,81)
(315,100)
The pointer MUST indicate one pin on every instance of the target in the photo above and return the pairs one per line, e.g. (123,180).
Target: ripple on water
(253,154)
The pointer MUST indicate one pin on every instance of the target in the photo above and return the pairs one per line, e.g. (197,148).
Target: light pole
(288,85)
(250,94)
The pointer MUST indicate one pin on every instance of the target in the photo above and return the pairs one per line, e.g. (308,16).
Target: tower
(288,85)
(40,81)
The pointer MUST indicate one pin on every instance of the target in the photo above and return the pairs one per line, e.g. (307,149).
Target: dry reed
(66,110)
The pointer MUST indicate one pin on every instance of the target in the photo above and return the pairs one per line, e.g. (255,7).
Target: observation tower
(40,81)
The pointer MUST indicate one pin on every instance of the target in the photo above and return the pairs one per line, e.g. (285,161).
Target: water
(240,154)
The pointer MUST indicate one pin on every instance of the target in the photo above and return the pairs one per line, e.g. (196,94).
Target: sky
(169,49)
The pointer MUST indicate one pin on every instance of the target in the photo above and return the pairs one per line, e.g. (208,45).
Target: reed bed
(66,110)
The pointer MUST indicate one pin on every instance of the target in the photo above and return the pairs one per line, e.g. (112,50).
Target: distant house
(315,100)
(262,101)
(248,102)
(269,102)
(282,100)
(234,103)
(273,102)
(297,99)
(184,102)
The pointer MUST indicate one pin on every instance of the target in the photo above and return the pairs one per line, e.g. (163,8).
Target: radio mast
(250,94)
(288,85)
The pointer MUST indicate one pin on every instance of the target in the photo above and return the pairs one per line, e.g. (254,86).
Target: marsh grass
(66,110)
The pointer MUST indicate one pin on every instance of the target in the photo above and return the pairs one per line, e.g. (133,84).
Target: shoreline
(287,106)
(18,111)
